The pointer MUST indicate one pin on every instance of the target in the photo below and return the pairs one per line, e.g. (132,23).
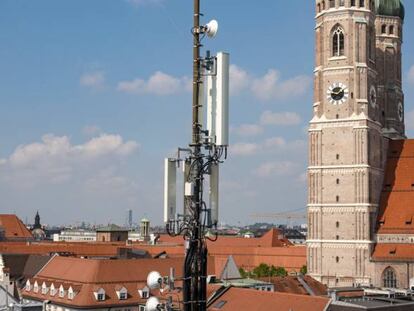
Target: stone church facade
(358,114)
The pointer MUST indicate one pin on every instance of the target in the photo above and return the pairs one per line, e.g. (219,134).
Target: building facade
(358,108)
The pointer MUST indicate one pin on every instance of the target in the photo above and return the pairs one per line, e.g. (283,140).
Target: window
(70,295)
(391,30)
(141,308)
(337,224)
(337,259)
(145,294)
(384,29)
(338,42)
(101,297)
(337,181)
(390,278)
(337,156)
(61,292)
(323,5)
(319,8)
(352,2)
(361,3)
(342,3)
(122,296)
(337,198)
(331,4)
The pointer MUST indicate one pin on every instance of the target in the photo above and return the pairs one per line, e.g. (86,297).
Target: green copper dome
(390,8)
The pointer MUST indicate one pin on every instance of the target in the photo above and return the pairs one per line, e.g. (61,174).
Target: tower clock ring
(337,93)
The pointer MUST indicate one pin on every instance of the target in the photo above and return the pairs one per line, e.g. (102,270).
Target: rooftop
(14,228)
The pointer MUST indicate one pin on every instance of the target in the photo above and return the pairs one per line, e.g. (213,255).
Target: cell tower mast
(207,148)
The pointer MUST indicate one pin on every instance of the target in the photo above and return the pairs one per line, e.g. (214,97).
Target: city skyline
(97,94)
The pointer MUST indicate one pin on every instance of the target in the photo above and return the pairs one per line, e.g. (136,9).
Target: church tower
(389,35)
(346,144)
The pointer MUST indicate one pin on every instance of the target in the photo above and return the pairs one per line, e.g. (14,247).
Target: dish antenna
(152,304)
(211,28)
(154,280)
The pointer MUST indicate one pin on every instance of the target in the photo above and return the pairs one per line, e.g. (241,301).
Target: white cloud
(410,75)
(54,159)
(244,149)
(270,86)
(280,118)
(158,84)
(276,168)
(93,79)
(248,130)
(239,79)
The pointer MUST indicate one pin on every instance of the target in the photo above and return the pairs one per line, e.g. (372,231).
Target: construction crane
(283,215)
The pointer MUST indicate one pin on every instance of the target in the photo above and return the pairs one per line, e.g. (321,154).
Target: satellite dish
(154,280)
(212,28)
(152,304)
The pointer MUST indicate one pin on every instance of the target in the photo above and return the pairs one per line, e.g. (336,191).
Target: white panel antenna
(222,85)
(218,101)
(170,190)
(214,193)
(186,172)
(211,107)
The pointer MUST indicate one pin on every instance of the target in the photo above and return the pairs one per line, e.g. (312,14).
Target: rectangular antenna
(222,102)
(186,172)
(211,105)
(170,191)
(201,101)
(214,193)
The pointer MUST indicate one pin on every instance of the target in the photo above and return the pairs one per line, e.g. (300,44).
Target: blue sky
(94,94)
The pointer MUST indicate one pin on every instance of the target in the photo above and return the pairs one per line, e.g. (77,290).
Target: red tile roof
(292,285)
(14,228)
(393,252)
(248,299)
(396,205)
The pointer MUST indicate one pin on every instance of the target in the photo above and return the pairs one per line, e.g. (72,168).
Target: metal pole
(196,254)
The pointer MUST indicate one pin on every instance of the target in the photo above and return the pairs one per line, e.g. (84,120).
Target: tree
(304,270)
(278,271)
(262,270)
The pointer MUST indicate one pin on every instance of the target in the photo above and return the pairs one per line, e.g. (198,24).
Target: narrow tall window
(361,3)
(338,42)
(384,29)
(319,8)
(331,4)
(323,5)
(389,278)
(337,198)
(391,30)
(342,3)
(352,2)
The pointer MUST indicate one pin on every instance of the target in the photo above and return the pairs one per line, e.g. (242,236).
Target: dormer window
(100,294)
(144,293)
(36,287)
(28,286)
(71,293)
(52,290)
(45,289)
(122,293)
(61,291)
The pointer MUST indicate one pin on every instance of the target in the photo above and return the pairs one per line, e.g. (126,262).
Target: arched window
(319,8)
(323,5)
(384,29)
(390,278)
(391,30)
(338,42)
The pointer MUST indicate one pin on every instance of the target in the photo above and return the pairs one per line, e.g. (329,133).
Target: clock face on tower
(373,96)
(337,93)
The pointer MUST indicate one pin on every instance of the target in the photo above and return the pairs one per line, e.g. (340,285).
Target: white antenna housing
(186,172)
(218,101)
(214,193)
(154,280)
(170,189)
(222,114)
(152,304)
